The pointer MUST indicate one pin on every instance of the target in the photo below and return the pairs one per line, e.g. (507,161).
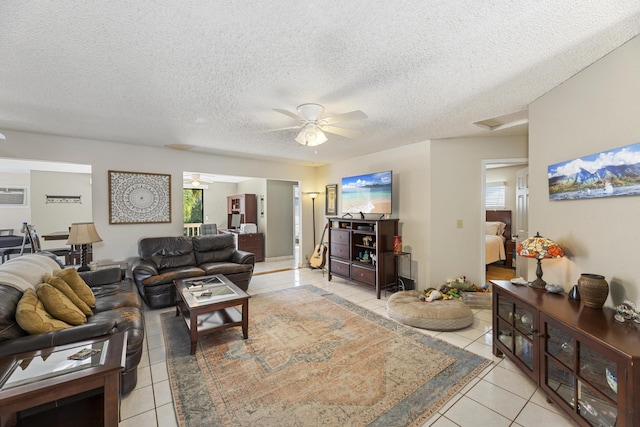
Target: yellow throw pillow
(33,318)
(75,282)
(59,305)
(63,287)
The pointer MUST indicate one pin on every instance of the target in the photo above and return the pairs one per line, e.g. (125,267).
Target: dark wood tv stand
(349,238)
(567,349)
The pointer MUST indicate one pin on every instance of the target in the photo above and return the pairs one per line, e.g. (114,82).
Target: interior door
(522,217)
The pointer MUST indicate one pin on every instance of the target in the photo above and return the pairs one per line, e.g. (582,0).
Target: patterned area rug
(312,359)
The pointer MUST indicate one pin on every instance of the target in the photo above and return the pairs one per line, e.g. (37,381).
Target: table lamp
(83,234)
(539,247)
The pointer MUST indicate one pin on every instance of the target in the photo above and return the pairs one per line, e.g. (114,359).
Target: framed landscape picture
(606,174)
(331,199)
(139,198)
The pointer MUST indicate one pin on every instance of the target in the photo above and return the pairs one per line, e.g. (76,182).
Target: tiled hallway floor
(500,396)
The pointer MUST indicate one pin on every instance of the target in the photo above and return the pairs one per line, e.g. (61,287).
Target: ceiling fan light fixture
(311,136)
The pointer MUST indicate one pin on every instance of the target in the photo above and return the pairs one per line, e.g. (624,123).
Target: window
(192,205)
(494,195)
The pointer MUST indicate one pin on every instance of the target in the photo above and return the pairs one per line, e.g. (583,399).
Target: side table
(399,285)
(38,377)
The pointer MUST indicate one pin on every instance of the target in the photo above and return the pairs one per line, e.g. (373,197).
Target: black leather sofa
(118,308)
(165,259)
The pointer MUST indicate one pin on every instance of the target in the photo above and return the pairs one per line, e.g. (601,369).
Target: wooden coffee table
(209,303)
(31,379)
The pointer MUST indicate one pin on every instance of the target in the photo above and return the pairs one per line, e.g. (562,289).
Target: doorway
(277,216)
(500,173)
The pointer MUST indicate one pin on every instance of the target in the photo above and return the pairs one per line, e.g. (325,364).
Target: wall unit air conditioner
(13,196)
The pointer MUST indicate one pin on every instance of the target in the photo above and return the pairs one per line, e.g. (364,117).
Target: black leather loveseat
(165,259)
(117,308)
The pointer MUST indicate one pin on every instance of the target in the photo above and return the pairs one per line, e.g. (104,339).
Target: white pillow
(494,228)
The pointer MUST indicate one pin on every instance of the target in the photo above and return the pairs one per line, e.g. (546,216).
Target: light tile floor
(501,395)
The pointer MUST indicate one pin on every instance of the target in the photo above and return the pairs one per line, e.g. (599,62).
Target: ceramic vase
(397,244)
(593,289)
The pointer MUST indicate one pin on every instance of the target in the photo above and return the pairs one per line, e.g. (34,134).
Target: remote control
(83,354)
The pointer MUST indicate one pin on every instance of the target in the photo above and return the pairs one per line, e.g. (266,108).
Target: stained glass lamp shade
(539,247)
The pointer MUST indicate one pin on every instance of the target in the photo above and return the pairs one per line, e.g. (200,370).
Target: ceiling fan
(313,123)
(196,179)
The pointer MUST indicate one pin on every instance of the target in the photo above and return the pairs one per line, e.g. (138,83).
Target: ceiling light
(2,136)
(311,135)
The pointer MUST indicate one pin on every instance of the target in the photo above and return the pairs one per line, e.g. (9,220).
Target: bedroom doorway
(501,174)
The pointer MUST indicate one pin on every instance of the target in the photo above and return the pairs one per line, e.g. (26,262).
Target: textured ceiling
(209,73)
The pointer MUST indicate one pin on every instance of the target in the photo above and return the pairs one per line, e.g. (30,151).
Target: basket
(477,300)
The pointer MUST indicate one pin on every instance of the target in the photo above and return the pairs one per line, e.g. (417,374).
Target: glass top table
(210,303)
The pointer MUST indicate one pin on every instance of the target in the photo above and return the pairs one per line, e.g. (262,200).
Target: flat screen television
(369,193)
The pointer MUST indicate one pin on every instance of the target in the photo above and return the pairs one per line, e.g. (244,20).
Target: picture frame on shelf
(331,199)
(139,198)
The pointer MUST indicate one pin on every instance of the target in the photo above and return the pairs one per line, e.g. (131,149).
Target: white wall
(410,204)
(13,216)
(120,241)
(594,111)
(215,202)
(52,217)
(456,193)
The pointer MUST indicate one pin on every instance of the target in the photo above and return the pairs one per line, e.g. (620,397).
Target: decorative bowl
(612,381)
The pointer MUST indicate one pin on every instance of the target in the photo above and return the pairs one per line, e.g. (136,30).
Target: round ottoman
(441,315)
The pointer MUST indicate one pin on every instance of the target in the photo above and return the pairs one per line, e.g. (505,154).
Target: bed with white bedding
(494,249)
(497,230)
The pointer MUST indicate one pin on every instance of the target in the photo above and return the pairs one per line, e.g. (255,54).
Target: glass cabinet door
(598,387)
(516,327)
(586,380)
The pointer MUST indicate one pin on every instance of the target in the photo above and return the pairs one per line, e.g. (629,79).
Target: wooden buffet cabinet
(249,242)
(353,241)
(571,351)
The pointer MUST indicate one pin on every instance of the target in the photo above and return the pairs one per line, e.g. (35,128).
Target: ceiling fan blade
(340,131)
(336,118)
(287,128)
(288,113)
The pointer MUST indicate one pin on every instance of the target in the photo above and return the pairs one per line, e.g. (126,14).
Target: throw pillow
(59,306)
(62,286)
(33,318)
(79,286)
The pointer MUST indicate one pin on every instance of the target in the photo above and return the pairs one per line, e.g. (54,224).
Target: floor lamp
(313,195)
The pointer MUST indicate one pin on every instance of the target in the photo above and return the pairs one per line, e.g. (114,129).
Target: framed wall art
(605,174)
(139,198)
(331,199)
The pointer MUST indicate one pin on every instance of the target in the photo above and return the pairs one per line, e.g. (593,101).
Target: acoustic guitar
(319,256)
